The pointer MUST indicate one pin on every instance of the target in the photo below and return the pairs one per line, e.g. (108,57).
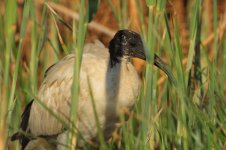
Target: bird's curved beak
(161,65)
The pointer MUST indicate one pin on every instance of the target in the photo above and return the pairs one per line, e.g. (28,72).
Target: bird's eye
(133,44)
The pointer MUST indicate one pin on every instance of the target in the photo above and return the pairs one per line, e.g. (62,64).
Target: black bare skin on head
(129,43)
(125,43)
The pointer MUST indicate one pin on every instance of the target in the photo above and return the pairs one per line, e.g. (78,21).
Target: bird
(106,73)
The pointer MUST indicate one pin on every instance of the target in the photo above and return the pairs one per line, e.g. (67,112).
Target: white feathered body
(113,88)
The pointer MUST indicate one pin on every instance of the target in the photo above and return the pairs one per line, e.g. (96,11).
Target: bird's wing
(55,92)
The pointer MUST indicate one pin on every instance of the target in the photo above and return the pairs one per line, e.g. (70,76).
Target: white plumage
(113,89)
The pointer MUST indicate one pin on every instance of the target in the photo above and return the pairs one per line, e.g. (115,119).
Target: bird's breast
(113,90)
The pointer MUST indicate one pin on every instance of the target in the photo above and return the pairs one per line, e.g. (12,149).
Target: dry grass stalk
(70,13)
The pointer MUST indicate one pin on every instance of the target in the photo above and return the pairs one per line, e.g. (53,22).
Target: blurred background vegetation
(188,34)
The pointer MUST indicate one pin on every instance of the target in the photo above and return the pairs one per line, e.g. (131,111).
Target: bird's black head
(126,43)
